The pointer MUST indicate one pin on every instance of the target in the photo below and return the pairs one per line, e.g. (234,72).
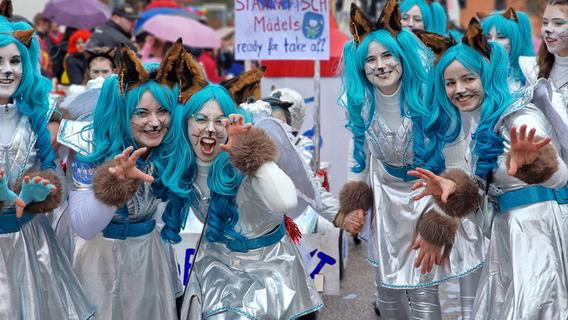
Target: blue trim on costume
(530,195)
(250,316)
(244,245)
(399,172)
(121,230)
(10,224)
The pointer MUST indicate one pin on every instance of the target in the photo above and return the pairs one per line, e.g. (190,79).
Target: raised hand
(433,185)
(354,221)
(428,254)
(524,150)
(235,125)
(5,193)
(33,190)
(125,166)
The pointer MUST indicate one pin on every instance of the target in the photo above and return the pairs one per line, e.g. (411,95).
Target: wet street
(358,288)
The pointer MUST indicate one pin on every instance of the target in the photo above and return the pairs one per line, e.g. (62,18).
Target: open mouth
(6,81)
(207,145)
(550,40)
(383,75)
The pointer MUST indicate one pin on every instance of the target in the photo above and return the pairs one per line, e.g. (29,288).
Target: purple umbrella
(81,14)
(192,33)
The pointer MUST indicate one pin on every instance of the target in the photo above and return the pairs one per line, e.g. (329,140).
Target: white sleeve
(89,216)
(275,188)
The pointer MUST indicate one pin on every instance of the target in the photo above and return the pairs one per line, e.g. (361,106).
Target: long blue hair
(519,34)
(433,15)
(179,167)
(493,74)
(414,59)
(32,94)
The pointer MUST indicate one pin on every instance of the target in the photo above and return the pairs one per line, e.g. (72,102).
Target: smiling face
(555,29)
(10,72)
(463,87)
(412,19)
(207,132)
(499,38)
(382,68)
(149,122)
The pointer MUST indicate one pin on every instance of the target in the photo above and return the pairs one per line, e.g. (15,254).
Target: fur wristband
(542,169)
(111,191)
(354,195)
(465,199)
(436,228)
(251,150)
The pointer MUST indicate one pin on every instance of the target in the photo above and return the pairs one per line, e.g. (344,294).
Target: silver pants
(468,287)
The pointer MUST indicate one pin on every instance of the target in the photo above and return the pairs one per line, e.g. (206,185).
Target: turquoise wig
(32,94)
(180,169)
(519,35)
(359,92)
(493,74)
(433,15)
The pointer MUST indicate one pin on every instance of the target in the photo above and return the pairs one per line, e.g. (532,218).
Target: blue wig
(519,35)
(493,74)
(179,168)
(32,94)
(433,15)
(413,57)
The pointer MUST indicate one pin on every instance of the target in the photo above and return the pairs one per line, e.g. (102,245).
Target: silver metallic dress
(526,271)
(36,279)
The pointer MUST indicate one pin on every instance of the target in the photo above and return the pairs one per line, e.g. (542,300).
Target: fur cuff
(111,191)
(465,199)
(52,201)
(251,150)
(542,169)
(436,228)
(354,195)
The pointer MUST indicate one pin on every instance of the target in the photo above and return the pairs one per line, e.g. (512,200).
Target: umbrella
(82,14)
(193,33)
(161,4)
(146,15)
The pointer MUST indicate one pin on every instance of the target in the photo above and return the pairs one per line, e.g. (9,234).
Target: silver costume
(37,281)
(525,275)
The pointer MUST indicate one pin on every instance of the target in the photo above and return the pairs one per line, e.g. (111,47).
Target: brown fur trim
(251,150)
(191,76)
(24,36)
(111,191)
(390,18)
(474,38)
(52,201)
(131,71)
(355,195)
(545,165)
(465,199)
(437,228)
(6,9)
(167,73)
(244,86)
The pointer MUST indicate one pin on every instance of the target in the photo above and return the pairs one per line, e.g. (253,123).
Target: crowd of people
(458,167)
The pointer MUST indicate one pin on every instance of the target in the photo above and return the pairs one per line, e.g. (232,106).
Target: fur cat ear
(511,14)
(6,9)
(360,24)
(24,36)
(167,73)
(474,38)
(190,75)
(481,15)
(390,18)
(244,86)
(131,72)
(437,43)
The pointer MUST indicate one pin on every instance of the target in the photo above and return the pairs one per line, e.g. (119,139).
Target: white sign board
(282,29)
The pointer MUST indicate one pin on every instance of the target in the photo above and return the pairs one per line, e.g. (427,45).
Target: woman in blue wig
(122,253)
(515,159)
(36,279)
(424,15)
(248,266)
(384,87)
(512,30)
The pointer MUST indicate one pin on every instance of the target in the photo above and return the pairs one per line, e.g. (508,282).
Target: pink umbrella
(193,33)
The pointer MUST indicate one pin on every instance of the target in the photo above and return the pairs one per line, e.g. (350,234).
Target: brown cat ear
(111,52)
(390,18)
(481,15)
(437,43)
(474,38)
(167,73)
(24,36)
(6,9)
(190,76)
(244,86)
(131,72)
(360,24)
(511,14)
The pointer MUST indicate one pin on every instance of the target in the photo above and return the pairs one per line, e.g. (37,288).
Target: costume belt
(120,230)
(10,224)
(244,245)
(530,195)
(399,172)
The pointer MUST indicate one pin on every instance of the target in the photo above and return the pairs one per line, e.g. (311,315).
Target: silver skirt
(392,231)
(36,279)
(268,283)
(526,274)
(136,278)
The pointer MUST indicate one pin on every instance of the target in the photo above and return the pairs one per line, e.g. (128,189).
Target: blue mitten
(5,193)
(34,191)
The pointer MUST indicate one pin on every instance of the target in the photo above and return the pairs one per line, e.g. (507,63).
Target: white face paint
(10,72)
(463,87)
(149,122)
(555,29)
(207,132)
(412,19)
(383,70)
(499,38)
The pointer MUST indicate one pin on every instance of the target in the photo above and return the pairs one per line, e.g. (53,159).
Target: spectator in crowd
(75,64)
(42,26)
(100,63)
(58,52)
(117,30)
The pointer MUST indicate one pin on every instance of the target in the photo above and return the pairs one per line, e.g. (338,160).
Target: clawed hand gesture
(523,148)
(33,190)
(433,185)
(125,166)
(235,125)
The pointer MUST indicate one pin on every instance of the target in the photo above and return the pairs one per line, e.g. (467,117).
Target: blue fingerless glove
(5,193)
(34,192)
